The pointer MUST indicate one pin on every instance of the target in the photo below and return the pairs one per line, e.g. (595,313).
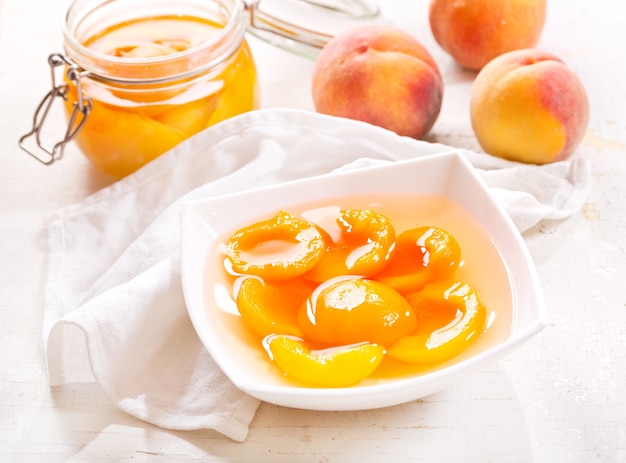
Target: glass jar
(140,76)
(143,75)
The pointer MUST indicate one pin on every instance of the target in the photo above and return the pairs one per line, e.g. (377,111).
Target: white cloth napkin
(114,307)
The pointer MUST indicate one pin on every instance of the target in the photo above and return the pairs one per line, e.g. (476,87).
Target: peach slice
(450,318)
(334,367)
(279,248)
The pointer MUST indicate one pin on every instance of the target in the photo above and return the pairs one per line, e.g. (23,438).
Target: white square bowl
(449,175)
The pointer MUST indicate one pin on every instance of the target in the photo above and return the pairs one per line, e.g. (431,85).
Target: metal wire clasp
(82,108)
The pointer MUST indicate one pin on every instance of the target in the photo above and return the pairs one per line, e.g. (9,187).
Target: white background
(560,398)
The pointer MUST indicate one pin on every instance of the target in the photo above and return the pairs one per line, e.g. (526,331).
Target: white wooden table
(560,398)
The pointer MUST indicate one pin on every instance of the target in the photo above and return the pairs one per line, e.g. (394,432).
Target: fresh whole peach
(380,75)
(528,106)
(474,32)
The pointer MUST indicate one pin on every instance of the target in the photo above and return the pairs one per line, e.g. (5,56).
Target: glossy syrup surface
(152,37)
(481,266)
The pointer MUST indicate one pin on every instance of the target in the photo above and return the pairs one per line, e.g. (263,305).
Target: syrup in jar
(154,73)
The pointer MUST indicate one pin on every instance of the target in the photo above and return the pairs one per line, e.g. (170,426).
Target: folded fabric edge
(231,127)
(269,117)
(234,426)
(581,167)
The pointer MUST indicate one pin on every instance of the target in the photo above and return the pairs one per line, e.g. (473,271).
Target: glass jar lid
(304,26)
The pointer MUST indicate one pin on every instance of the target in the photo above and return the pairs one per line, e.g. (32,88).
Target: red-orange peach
(474,32)
(528,106)
(381,75)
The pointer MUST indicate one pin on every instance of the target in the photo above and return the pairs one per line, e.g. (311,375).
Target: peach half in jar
(280,248)
(152,88)
(450,317)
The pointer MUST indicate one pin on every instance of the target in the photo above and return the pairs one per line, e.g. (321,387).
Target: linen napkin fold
(114,306)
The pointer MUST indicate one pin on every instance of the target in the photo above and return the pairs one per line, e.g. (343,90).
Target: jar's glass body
(156,72)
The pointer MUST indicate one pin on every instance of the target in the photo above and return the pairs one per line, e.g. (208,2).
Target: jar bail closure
(82,107)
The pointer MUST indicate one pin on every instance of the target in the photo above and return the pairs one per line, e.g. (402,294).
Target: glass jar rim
(221,45)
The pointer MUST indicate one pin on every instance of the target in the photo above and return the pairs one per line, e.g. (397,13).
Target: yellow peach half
(272,308)
(333,367)
(351,310)
(279,248)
